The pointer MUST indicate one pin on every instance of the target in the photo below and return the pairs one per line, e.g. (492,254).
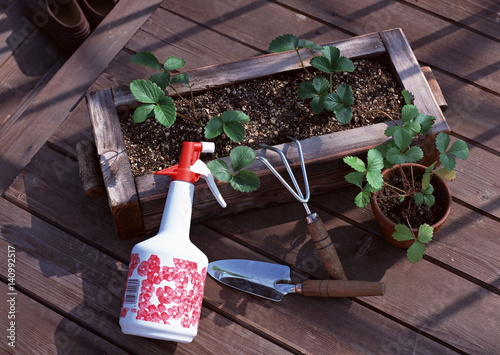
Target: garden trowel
(272,281)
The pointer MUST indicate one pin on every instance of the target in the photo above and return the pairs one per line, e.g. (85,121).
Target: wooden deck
(70,267)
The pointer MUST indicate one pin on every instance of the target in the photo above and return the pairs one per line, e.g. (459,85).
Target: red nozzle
(189,155)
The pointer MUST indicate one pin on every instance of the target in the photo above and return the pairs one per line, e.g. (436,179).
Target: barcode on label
(132,291)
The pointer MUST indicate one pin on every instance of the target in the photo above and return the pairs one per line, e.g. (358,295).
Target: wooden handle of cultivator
(325,247)
(340,288)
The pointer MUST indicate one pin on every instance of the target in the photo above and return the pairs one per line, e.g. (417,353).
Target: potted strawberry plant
(410,201)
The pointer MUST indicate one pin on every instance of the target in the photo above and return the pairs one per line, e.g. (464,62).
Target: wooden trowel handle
(325,247)
(340,288)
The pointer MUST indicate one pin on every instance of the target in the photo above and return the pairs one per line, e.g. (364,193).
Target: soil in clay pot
(407,212)
(274,109)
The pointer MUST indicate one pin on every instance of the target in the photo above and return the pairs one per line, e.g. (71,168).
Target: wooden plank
(86,284)
(24,74)
(308,325)
(435,41)
(57,99)
(478,180)
(412,77)
(465,243)
(53,334)
(50,187)
(472,113)
(15,27)
(462,314)
(115,166)
(75,128)
(481,15)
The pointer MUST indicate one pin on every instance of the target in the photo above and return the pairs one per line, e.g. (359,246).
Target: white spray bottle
(166,275)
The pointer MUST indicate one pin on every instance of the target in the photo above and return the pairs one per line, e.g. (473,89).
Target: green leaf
(284,43)
(333,102)
(415,252)
(317,104)
(425,122)
(374,170)
(235,116)
(142,112)
(146,91)
(363,198)
(408,113)
(182,78)
(413,127)
(355,163)
(322,63)
(344,115)
(321,85)
(307,90)
(389,131)
(318,87)
(429,200)
(408,96)
(173,63)
(161,79)
(304,43)
(430,168)
(413,155)
(446,175)
(459,149)
(245,181)
(220,170)
(214,127)
(232,121)
(395,156)
(332,61)
(241,157)
(442,142)
(425,233)
(235,131)
(146,59)
(419,198)
(447,161)
(402,233)
(402,138)
(344,64)
(426,179)
(344,91)
(165,111)
(356,178)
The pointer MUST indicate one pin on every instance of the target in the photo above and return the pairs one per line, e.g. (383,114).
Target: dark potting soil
(274,109)
(408,212)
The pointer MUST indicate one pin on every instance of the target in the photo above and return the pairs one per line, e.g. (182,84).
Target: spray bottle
(166,275)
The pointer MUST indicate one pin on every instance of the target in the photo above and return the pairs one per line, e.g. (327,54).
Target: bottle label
(165,293)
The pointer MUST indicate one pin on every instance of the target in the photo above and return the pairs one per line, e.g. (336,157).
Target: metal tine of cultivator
(297,193)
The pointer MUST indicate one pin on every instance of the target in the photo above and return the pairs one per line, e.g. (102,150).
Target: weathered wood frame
(137,204)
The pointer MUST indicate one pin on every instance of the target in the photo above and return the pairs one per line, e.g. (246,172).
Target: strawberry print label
(164,293)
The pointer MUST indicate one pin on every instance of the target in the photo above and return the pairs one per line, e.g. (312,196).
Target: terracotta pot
(388,227)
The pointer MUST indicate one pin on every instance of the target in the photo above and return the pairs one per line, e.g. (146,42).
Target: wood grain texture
(53,333)
(450,316)
(86,285)
(275,319)
(435,41)
(115,166)
(481,15)
(18,144)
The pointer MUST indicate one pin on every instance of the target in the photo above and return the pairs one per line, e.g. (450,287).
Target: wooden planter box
(137,204)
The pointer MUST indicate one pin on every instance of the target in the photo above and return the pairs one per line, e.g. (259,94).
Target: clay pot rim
(444,186)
